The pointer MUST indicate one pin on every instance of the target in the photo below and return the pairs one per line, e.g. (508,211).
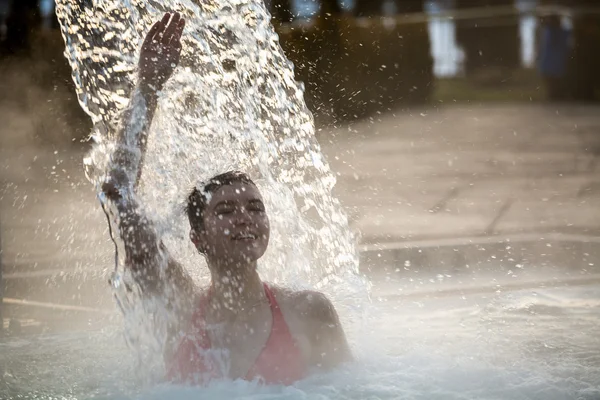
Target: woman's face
(236,226)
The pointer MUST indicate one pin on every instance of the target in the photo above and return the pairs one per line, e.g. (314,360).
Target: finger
(171,28)
(161,27)
(178,32)
(152,32)
(176,56)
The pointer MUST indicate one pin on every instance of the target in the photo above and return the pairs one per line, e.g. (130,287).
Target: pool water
(424,337)
(454,324)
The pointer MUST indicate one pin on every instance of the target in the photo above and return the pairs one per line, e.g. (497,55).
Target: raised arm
(144,250)
(159,57)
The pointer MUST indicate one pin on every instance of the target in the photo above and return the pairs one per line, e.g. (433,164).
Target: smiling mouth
(244,236)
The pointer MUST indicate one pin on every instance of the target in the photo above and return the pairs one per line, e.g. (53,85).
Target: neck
(236,292)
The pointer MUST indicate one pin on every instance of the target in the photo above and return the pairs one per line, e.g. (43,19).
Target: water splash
(232,104)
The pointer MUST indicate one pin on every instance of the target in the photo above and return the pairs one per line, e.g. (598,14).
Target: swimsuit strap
(279,329)
(275,310)
(280,360)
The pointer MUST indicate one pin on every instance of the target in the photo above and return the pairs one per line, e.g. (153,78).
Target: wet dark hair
(198,199)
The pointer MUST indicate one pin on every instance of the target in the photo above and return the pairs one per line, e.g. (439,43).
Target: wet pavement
(470,171)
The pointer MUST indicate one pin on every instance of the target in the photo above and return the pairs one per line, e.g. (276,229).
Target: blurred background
(448,123)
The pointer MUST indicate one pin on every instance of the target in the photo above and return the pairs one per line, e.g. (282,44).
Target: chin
(251,252)
(252,255)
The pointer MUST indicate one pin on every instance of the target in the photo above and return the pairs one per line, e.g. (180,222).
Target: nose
(242,217)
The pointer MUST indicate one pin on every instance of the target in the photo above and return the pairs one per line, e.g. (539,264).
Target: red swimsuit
(279,362)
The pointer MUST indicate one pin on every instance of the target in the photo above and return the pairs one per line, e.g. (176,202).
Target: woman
(241,327)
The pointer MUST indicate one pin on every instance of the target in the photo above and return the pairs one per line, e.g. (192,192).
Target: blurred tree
(585,67)
(491,41)
(367,8)
(281,10)
(409,6)
(331,7)
(583,75)
(23,18)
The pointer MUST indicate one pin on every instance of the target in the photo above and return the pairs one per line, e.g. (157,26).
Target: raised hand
(160,51)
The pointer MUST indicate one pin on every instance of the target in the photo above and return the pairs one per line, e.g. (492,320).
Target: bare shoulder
(313,318)
(306,304)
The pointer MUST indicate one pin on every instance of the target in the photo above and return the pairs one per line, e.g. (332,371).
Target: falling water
(232,104)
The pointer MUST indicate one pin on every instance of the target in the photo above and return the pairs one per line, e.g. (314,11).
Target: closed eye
(256,205)
(224,208)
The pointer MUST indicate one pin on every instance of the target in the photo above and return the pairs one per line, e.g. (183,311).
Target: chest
(238,344)
(262,344)
(301,333)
